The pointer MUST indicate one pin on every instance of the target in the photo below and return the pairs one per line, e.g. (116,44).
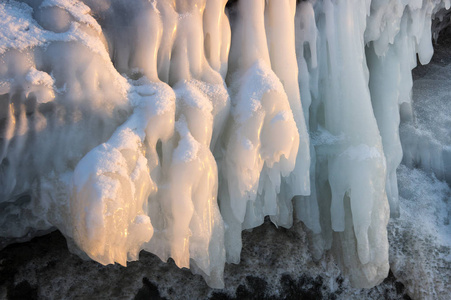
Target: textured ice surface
(426,137)
(421,257)
(171,126)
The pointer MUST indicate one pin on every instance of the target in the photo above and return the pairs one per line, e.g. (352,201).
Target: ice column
(262,139)
(184,211)
(306,207)
(350,163)
(280,31)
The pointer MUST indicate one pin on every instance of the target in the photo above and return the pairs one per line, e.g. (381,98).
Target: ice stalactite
(387,40)
(350,165)
(177,141)
(112,183)
(55,110)
(128,125)
(306,33)
(257,154)
(282,52)
(392,49)
(427,151)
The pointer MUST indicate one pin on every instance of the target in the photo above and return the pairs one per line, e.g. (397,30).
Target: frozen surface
(43,267)
(171,126)
(420,252)
(420,257)
(426,137)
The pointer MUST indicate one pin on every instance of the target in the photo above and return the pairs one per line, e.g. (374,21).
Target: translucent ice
(171,126)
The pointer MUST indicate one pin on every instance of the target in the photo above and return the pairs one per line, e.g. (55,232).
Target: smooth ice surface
(171,126)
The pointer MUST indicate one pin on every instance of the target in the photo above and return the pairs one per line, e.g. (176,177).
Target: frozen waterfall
(171,126)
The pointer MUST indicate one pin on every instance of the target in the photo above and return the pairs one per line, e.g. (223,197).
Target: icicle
(128,126)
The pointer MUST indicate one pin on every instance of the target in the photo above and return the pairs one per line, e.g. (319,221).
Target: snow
(173,126)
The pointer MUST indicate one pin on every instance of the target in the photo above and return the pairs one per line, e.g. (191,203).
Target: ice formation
(173,125)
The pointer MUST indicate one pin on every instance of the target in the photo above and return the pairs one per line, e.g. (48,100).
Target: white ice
(171,126)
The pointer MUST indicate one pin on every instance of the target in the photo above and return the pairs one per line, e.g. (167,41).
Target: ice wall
(392,49)
(365,133)
(171,126)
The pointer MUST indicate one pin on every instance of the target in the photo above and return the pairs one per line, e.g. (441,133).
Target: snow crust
(171,126)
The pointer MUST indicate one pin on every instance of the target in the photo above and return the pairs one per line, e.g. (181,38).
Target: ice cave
(188,128)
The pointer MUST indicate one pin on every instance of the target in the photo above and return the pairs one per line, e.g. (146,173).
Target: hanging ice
(128,125)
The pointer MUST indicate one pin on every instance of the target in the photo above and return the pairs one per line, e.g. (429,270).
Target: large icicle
(306,49)
(262,138)
(282,51)
(350,164)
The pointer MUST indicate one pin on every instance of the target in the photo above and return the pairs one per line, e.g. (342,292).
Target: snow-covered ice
(171,126)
